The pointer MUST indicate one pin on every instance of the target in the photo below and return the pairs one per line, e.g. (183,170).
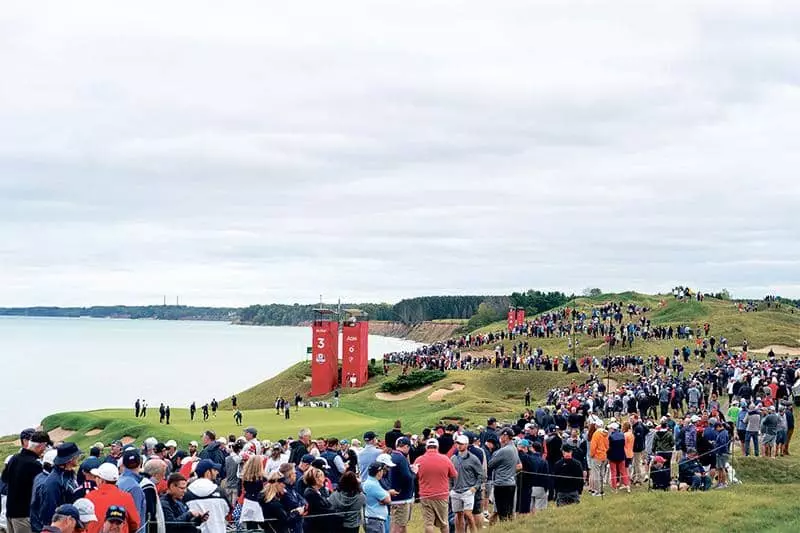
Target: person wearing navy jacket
(59,487)
(401,479)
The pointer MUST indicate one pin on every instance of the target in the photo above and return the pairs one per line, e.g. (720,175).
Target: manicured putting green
(323,422)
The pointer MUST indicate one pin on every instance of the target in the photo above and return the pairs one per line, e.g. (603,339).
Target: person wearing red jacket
(108,495)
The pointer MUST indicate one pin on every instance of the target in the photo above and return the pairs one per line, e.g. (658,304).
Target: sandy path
(389,397)
(779,349)
(611,384)
(59,434)
(438,394)
(93,432)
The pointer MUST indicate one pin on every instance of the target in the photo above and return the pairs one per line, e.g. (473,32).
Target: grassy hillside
(765,502)
(485,392)
(762,328)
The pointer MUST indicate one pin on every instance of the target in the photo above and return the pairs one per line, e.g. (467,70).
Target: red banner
(355,354)
(520,316)
(512,318)
(324,357)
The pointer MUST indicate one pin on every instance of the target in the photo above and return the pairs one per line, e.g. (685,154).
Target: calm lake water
(65,364)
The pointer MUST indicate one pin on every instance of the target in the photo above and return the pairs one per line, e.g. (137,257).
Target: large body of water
(64,364)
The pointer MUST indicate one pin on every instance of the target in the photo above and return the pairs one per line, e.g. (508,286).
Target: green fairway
(118,423)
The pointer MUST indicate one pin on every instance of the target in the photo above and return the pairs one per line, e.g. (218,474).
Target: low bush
(414,380)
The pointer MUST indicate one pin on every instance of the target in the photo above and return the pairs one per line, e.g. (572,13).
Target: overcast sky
(262,152)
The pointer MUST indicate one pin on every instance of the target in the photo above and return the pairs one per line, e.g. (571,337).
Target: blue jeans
(754,436)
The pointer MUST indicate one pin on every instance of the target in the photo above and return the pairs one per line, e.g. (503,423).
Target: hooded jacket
(663,441)
(204,495)
(351,504)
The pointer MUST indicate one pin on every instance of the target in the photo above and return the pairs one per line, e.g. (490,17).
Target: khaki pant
(638,472)
(599,471)
(19,525)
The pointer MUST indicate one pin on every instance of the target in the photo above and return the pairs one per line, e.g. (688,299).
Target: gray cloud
(372,152)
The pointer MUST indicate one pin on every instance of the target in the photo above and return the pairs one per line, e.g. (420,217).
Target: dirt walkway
(611,384)
(779,349)
(438,394)
(389,397)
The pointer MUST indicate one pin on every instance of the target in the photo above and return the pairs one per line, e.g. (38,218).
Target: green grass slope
(763,328)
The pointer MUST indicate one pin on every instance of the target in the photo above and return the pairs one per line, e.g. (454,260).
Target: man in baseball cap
(470,479)
(130,479)
(66,519)
(109,495)
(434,473)
(369,454)
(401,480)
(86,509)
(115,518)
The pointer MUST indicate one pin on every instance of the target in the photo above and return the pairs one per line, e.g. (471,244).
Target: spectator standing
(401,480)
(108,495)
(130,479)
(470,477)
(503,464)
(349,499)
(18,476)
(153,474)
(204,496)
(377,499)
(392,436)
(59,488)
(369,454)
(434,472)
(568,479)
(616,458)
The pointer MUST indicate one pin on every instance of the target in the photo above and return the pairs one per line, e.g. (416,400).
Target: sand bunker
(60,434)
(93,432)
(779,349)
(389,397)
(127,439)
(438,394)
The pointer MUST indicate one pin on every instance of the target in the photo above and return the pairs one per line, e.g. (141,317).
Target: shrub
(414,380)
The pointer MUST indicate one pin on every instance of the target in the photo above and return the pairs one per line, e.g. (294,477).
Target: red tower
(520,316)
(325,352)
(512,318)
(355,351)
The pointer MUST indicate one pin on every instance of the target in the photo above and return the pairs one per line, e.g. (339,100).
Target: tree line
(154,312)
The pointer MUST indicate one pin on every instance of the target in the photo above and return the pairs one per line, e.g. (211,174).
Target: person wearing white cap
(86,509)
(598,452)
(470,478)
(107,495)
(434,473)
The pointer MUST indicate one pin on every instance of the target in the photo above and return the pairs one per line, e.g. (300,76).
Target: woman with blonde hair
(252,486)
(276,517)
